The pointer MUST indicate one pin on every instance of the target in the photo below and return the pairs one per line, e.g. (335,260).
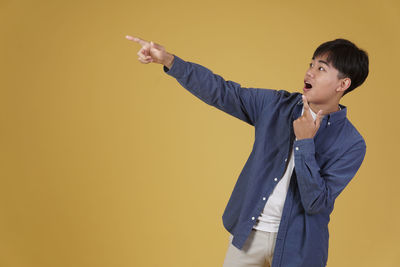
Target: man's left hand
(305,126)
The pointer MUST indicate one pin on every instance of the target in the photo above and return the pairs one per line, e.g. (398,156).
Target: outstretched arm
(243,103)
(228,96)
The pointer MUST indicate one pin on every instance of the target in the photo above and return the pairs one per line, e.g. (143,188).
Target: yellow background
(106,161)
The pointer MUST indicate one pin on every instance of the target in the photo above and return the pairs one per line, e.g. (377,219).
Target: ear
(344,84)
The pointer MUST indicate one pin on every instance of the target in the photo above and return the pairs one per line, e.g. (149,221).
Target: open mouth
(307,86)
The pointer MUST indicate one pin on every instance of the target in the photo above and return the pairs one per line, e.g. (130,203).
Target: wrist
(169,60)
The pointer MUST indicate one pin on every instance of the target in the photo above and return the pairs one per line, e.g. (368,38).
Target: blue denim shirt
(324,164)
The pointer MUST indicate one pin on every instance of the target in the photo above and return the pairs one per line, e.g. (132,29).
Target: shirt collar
(331,117)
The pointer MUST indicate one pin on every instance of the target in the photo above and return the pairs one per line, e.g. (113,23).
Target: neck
(326,109)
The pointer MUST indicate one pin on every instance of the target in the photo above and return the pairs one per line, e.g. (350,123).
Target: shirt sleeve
(243,103)
(320,187)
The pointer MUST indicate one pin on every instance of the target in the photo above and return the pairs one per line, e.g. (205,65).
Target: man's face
(323,78)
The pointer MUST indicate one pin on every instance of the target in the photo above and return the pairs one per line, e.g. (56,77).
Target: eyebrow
(323,61)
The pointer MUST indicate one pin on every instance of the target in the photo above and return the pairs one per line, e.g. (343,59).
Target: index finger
(136,39)
(305,103)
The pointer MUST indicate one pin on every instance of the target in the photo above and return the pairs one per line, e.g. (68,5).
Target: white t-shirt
(270,218)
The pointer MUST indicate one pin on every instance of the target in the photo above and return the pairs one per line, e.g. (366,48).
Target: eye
(318,68)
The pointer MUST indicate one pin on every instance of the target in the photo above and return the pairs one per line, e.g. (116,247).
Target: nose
(310,73)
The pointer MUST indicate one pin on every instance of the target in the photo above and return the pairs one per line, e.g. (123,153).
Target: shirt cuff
(177,69)
(304,146)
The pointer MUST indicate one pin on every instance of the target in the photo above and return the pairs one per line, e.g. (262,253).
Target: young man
(305,153)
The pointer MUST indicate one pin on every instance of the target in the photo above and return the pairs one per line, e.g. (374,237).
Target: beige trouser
(257,250)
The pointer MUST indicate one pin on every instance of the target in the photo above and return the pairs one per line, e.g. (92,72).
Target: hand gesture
(305,126)
(151,52)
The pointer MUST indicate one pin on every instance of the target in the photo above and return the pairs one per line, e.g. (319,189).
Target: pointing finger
(305,102)
(136,39)
(318,119)
(306,107)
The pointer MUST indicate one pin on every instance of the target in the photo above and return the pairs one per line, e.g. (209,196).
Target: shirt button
(329,123)
(297,148)
(264,198)
(285,160)
(276,179)
(253,218)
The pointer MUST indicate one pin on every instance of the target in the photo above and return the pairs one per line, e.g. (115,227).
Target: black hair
(348,59)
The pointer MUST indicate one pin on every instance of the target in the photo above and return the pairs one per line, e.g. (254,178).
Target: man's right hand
(152,52)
